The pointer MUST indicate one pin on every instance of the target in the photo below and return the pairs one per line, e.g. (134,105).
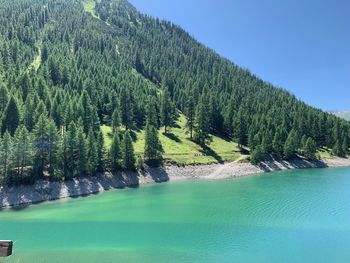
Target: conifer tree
(115,120)
(71,154)
(64,155)
(6,152)
(345,146)
(11,117)
(115,152)
(22,150)
(40,145)
(92,153)
(202,121)
(4,97)
(81,152)
(29,110)
(303,141)
(166,110)
(40,110)
(151,112)
(190,114)
(340,149)
(278,141)
(310,149)
(87,111)
(128,152)
(101,151)
(240,129)
(153,148)
(258,155)
(126,108)
(291,145)
(52,146)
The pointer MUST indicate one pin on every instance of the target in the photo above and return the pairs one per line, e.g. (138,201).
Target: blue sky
(300,45)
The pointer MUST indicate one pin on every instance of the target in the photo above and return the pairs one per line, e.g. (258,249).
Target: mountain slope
(68,65)
(343,114)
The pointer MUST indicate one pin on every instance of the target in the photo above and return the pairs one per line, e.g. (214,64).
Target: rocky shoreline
(46,191)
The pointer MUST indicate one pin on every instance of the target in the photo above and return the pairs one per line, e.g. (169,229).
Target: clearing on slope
(179,149)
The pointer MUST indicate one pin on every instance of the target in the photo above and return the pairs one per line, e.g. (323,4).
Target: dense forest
(68,66)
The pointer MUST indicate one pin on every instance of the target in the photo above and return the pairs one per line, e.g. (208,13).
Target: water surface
(294,216)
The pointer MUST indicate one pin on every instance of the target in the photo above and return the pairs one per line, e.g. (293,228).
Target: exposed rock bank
(45,191)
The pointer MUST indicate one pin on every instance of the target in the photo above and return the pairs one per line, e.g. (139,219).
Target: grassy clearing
(325,154)
(89,7)
(37,61)
(179,149)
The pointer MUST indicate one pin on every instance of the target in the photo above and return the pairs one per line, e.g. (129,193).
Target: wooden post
(5,248)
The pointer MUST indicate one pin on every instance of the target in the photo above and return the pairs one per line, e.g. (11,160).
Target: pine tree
(303,141)
(151,112)
(101,151)
(340,149)
(153,148)
(22,150)
(166,110)
(6,152)
(202,121)
(64,155)
(52,146)
(310,149)
(29,109)
(4,97)
(115,120)
(54,70)
(81,152)
(40,110)
(71,155)
(126,108)
(115,152)
(240,129)
(216,118)
(87,111)
(291,145)
(278,141)
(345,146)
(190,114)
(258,155)
(11,117)
(40,145)
(128,152)
(92,153)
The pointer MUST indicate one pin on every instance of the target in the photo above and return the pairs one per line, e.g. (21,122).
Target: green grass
(325,153)
(89,6)
(179,149)
(37,61)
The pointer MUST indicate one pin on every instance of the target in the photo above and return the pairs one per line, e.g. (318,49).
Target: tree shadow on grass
(176,125)
(206,150)
(172,137)
(133,135)
(244,151)
(222,137)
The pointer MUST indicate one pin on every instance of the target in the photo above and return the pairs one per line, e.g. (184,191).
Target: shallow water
(294,216)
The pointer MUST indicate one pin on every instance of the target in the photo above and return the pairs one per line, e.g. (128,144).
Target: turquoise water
(294,216)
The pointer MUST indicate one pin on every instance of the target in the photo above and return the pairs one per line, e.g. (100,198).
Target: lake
(292,216)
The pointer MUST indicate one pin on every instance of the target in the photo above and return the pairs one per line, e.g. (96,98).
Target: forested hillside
(70,67)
